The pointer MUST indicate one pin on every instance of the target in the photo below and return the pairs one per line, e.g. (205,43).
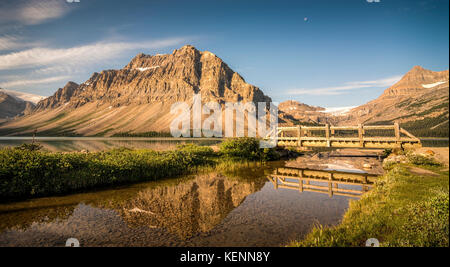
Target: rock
(291,111)
(367,166)
(60,97)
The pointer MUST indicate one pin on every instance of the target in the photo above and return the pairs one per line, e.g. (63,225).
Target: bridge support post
(360,135)
(327,134)
(299,135)
(397,135)
(330,184)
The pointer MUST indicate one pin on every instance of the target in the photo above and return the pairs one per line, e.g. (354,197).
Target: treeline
(429,127)
(144,134)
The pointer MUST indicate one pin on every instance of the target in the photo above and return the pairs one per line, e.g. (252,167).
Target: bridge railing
(322,181)
(356,136)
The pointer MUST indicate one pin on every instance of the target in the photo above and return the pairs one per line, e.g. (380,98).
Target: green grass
(403,209)
(27,172)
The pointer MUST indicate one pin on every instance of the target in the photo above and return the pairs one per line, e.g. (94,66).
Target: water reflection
(232,207)
(340,183)
(189,208)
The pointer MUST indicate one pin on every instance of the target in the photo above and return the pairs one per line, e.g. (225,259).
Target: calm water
(242,206)
(67,144)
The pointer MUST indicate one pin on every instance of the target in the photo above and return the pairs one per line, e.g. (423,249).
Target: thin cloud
(338,90)
(14,42)
(31,12)
(77,56)
(26,82)
(8,43)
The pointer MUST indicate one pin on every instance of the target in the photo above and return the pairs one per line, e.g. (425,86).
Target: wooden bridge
(361,136)
(322,181)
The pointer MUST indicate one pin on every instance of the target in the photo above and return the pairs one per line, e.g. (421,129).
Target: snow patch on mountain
(431,85)
(147,68)
(338,111)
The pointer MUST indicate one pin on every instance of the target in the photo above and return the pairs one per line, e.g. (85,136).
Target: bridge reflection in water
(331,182)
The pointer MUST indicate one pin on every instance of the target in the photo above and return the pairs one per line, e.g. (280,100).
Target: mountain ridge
(419,102)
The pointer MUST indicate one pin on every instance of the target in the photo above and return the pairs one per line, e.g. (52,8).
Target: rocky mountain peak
(167,78)
(297,106)
(418,80)
(291,111)
(417,68)
(60,97)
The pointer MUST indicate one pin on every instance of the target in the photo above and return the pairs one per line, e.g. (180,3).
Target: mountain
(23,96)
(417,81)
(137,98)
(419,102)
(61,96)
(293,112)
(11,105)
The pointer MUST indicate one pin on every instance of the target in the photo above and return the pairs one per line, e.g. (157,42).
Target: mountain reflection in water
(189,208)
(235,207)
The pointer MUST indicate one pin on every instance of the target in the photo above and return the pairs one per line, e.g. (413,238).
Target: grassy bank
(29,172)
(407,207)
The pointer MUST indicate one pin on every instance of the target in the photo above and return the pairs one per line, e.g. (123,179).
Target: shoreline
(409,206)
(56,138)
(27,172)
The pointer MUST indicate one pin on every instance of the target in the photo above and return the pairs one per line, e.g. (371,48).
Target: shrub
(201,154)
(246,148)
(386,152)
(29,173)
(422,160)
(388,165)
(30,147)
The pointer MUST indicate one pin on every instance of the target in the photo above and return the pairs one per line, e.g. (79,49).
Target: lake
(240,206)
(68,144)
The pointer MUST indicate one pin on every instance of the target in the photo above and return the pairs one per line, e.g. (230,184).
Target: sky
(324,53)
